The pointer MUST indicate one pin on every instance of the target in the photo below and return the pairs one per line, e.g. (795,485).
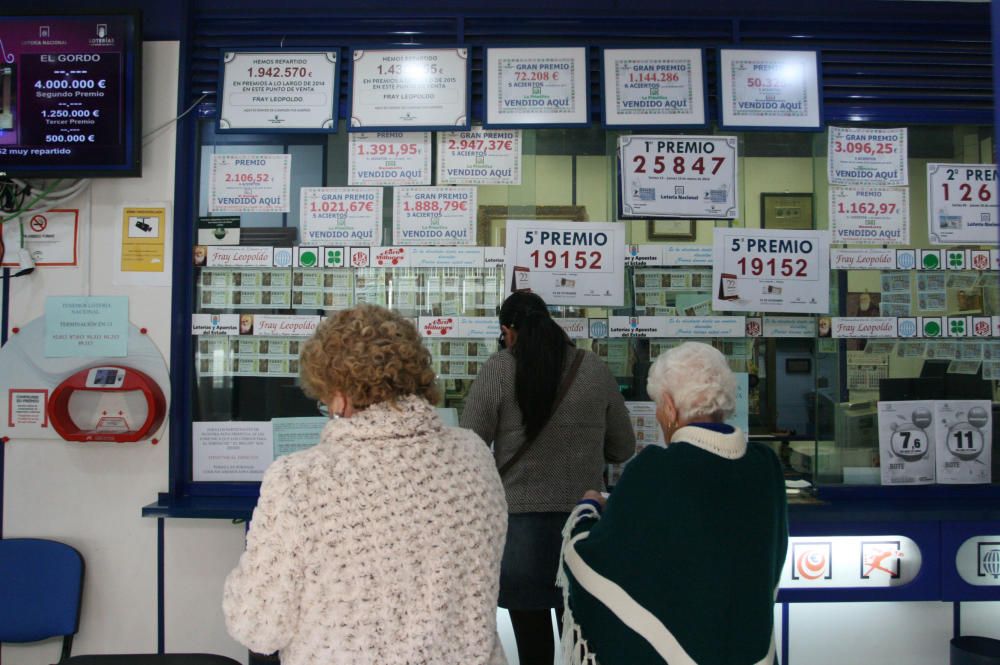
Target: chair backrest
(41,584)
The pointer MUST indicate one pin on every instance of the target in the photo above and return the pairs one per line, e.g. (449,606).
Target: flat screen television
(70,95)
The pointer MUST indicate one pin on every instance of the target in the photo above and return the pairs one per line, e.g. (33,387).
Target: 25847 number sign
(678,176)
(679,164)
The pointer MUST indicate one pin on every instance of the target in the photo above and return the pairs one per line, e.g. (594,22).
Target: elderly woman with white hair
(681,564)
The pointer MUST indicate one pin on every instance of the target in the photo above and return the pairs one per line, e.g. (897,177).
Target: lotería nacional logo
(283,257)
(905,259)
(989,559)
(880,558)
(812,561)
(598,328)
(906,326)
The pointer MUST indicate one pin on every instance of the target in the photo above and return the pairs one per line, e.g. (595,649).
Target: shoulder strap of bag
(563,389)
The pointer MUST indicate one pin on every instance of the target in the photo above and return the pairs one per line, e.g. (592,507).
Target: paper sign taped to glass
(756,270)
(567,263)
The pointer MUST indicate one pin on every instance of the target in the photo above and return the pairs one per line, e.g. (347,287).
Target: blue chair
(41,585)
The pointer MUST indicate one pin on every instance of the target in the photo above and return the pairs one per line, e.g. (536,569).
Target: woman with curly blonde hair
(382,543)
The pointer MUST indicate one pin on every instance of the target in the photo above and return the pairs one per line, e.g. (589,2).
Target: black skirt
(531,560)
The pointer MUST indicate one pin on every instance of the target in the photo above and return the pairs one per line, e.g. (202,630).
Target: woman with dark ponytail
(554,417)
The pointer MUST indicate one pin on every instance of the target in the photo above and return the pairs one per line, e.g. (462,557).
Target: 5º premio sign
(758,270)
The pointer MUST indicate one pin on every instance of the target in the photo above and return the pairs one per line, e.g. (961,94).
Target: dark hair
(539,354)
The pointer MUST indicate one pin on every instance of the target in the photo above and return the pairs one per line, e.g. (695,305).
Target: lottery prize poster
(654,87)
(277,91)
(962,204)
(769,89)
(867,156)
(389,159)
(541,86)
(867,215)
(434,216)
(906,432)
(249,183)
(964,431)
(479,157)
(692,177)
(567,263)
(410,88)
(341,215)
(757,270)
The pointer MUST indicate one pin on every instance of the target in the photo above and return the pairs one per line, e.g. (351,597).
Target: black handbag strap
(563,389)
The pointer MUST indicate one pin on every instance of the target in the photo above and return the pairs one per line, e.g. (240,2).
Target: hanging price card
(249,183)
(677,176)
(410,88)
(537,86)
(870,215)
(771,271)
(769,89)
(567,263)
(434,216)
(653,87)
(331,215)
(906,434)
(962,203)
(867,155)
(279,90)
(389,159)
(479,157)
(963,436)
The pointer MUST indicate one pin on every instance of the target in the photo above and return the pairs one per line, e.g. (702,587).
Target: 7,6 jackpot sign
(693,177)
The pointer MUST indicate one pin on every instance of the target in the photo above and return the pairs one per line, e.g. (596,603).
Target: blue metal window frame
(589,25)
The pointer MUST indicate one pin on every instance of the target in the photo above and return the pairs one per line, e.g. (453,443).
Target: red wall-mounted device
(107,379)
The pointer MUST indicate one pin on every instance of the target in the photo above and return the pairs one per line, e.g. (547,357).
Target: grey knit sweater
(589,429)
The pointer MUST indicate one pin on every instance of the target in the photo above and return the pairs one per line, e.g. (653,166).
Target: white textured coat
(379,546)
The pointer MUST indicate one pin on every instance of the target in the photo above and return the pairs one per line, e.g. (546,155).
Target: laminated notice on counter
(963,433)
(906,442)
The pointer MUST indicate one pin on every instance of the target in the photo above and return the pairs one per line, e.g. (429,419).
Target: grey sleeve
(619,437)
(482,405)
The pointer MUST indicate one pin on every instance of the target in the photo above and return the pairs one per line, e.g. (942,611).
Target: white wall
(91,495)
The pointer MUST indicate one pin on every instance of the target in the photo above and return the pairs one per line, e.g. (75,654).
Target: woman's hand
(594,495)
